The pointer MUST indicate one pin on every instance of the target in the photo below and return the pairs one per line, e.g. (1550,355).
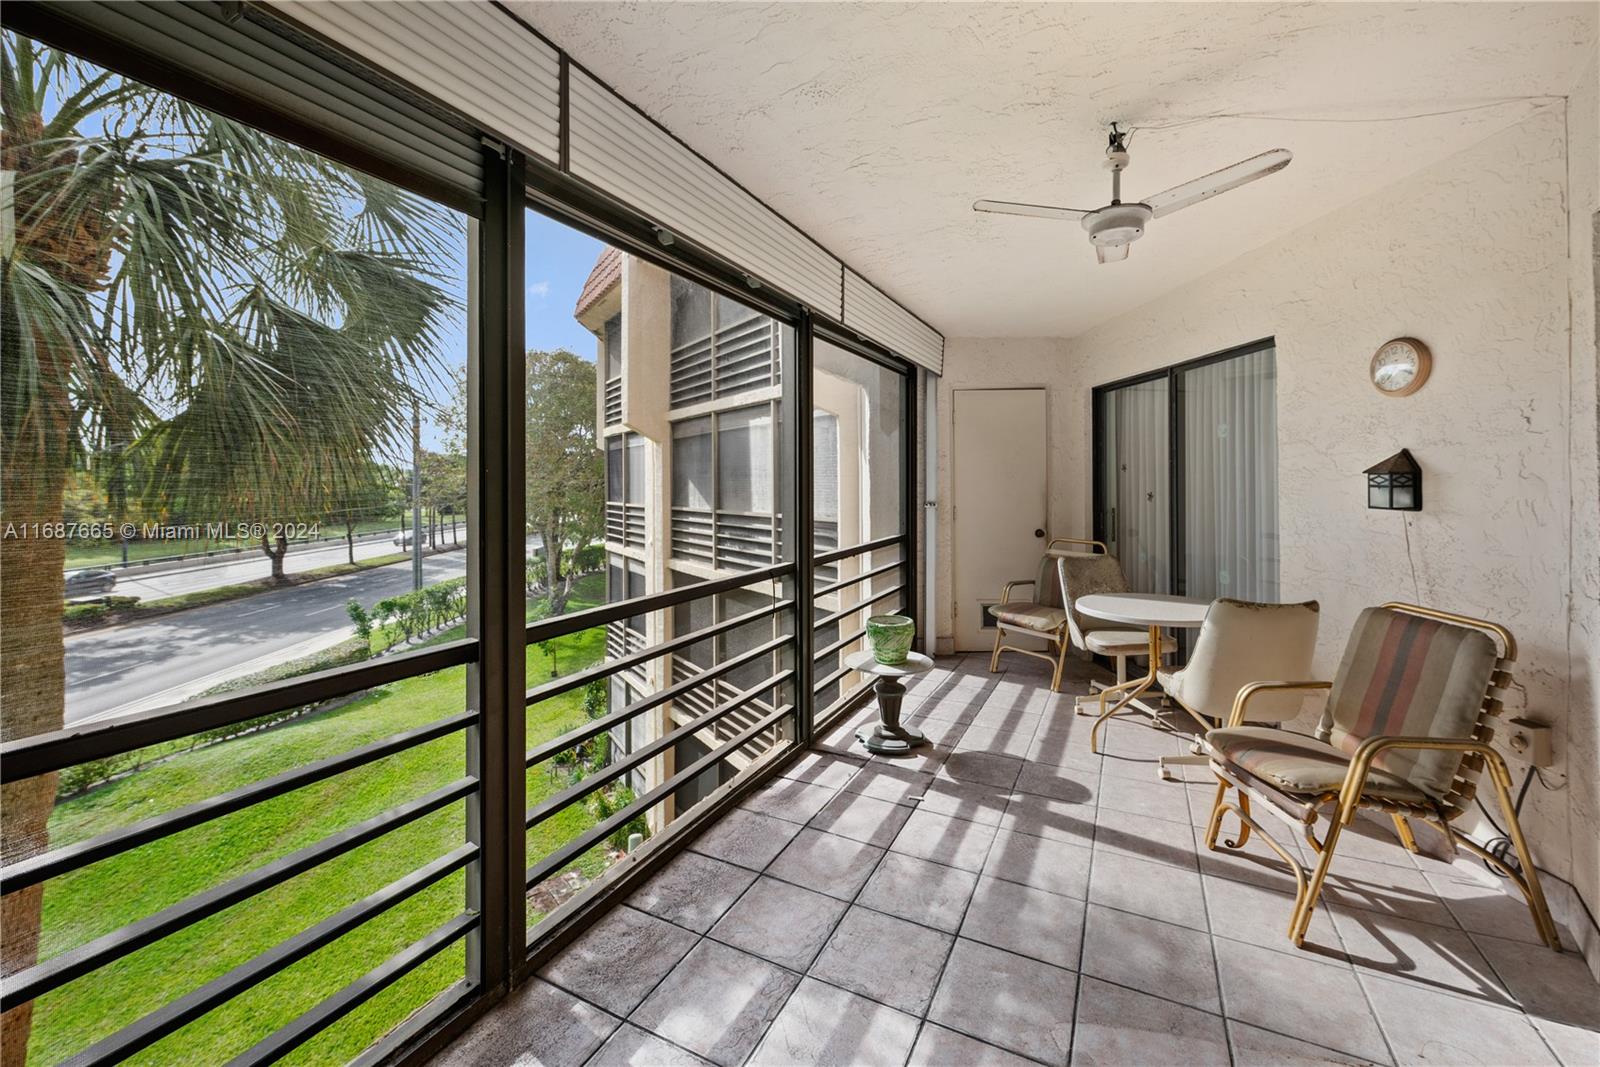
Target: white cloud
(539,289)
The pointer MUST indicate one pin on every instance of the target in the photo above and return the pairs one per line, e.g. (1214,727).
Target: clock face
(1400,367)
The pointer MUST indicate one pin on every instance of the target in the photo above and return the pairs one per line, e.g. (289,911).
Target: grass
(107,895)
(85,616)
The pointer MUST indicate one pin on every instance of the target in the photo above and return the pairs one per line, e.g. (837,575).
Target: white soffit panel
(872,314)
(472,57)
(620,151)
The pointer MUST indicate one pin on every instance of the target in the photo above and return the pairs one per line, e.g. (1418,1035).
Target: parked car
(96,582)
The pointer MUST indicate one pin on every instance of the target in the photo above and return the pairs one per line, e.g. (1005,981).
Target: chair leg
(1215,824)
(1402,830)
(1301,921)
(1531,888)
(994,660)
(1061,663)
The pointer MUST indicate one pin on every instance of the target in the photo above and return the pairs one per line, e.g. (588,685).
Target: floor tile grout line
(767,1028)
(1223,875)
(955,938)
(706,936)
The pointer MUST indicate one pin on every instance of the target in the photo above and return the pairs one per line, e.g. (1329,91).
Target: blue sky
(559,259)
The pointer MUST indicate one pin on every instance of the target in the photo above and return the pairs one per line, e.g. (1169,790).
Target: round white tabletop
(862,661)
(1145,609)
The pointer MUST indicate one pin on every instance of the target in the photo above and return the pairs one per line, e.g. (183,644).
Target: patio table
(1152,611)
(887,735)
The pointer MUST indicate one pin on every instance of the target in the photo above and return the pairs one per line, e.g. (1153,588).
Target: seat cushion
(1404,675)
(1028,616)
(1299,764)
(1124,642)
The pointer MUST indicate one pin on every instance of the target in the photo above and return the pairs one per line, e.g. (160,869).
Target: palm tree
(198,314)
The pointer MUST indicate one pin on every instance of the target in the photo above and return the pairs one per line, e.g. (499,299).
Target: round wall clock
(1401,366)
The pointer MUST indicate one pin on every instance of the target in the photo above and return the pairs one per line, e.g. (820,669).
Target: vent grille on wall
(472,57)
(872,314)
(618,150)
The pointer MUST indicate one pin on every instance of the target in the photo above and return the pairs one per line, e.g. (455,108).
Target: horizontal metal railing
(289,1037)
(578,679)
(35,869)
(41,978)
(600,831)
(596,727)
(179,1013)
(845,583)
(645,753)
(67,747)
(562,625)
(842,613)
(856,550)
(835,647)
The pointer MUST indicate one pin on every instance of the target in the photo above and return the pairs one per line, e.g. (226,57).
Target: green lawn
(114,892)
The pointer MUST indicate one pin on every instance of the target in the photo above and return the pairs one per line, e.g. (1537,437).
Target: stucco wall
(1472,256)
(1583,730)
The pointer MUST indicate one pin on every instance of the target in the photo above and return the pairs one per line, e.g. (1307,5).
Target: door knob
(1038,533)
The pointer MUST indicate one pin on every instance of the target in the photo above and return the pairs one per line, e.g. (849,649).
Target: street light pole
(416,496)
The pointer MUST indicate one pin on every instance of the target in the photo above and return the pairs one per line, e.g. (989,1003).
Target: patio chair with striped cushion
(1406,730)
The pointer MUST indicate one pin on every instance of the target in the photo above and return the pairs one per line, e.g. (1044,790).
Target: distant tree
(563,468)
(368,497)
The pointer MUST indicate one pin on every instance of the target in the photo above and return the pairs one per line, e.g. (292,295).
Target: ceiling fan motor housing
(1117,224)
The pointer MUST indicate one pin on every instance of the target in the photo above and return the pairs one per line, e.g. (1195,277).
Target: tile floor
(1006,897)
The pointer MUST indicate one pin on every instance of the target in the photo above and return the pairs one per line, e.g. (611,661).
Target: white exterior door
(997,450)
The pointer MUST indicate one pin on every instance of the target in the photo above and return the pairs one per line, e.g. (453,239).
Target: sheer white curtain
(1230,476)
(1137,483)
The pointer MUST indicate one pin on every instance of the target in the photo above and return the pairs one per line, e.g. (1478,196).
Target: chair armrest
(1005,594)
(1242,700)
(1355,778)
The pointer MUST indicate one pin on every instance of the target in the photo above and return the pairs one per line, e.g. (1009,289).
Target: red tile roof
(607,272)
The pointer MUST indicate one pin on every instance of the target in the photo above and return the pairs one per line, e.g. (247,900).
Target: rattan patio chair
(1406,730)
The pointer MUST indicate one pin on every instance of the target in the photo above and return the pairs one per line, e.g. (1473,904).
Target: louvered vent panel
(874,315)
(623,153)
(472,57)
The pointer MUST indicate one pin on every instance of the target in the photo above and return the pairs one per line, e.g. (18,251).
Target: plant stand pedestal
(887,736)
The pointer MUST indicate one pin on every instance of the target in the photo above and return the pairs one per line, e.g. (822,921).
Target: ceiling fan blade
(1038,211)
(1181,196)
(1110,253)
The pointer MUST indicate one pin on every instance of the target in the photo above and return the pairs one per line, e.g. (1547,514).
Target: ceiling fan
(1117,225)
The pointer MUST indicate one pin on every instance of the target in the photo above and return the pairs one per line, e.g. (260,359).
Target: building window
(720,347)
(744,460)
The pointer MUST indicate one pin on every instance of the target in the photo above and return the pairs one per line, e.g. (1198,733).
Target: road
(247,568)
(139,667)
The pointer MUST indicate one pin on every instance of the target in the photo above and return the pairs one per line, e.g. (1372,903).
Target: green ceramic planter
(890,638)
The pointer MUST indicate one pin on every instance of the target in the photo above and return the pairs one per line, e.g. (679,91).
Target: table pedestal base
(887,736)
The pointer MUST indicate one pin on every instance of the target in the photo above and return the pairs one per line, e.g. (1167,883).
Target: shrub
(362,620)
(84,612)
(84,776)
(606,803)
(594,699)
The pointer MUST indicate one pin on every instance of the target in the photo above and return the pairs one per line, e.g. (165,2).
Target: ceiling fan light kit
(1114,227)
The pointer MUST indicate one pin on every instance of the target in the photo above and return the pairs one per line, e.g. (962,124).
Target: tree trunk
(276,550)
(350,540)
(33,696)
(551,536)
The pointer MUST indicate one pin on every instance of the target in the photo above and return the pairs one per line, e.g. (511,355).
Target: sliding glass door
(1228,530)
(1186,476)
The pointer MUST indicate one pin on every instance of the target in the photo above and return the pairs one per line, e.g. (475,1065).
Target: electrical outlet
(1531,741)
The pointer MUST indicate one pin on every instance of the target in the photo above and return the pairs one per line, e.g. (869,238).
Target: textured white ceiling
(874,126)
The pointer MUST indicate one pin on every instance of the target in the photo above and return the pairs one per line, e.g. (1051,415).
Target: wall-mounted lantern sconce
(1395,484)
